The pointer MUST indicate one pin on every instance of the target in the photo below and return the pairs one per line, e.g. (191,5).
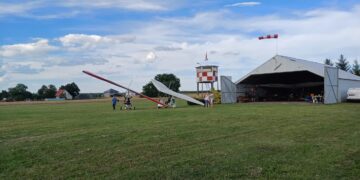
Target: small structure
(62,93)
(207,74)
(111,92)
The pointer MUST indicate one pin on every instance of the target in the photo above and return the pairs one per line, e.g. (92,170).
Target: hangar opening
(286,86)
(283,78)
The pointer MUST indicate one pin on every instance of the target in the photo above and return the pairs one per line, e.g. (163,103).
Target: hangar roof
(281,64)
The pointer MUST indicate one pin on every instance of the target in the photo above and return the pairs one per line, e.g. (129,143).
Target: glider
(118,85)
(162,88)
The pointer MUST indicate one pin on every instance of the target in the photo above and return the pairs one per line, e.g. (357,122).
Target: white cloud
(41,46)
(71,8)
(2,78)
(202,21)
(151,57)
(83,41)
(79,61)
(62,15)
(23,69)
(167,48)
(2,71)
(18,9)
(137,5)
(29,10)
(242,4)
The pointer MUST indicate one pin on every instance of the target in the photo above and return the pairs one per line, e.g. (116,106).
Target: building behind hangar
(285,78)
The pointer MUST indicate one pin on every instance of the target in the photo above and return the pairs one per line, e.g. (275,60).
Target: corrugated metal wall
(331,85)
(335,89)
(228,90)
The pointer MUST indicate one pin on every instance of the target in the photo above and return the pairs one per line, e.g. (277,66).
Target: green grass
(268,141)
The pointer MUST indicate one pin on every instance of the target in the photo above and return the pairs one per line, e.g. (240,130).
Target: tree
(355,68)
(47,91)
(4,94)
(19,93)
(328,62)
(169,80)
(72,88)
(35,96)
(51,91)
(342,63)
(150,90)
(41,92)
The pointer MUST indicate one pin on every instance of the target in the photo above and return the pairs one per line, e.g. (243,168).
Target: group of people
(316,98)
(127,102)
(170,102)
(209,100)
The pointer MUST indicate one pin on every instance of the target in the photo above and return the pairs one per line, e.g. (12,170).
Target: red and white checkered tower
(206,74)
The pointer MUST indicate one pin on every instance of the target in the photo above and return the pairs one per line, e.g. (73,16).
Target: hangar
(285,78)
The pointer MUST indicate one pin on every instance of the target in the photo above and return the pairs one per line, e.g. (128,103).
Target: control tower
(206,74)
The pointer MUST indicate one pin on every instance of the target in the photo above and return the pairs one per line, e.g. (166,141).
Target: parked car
(353,94)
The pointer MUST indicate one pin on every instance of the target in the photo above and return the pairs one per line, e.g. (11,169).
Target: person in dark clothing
(169,100)
(127,103)
(114,100)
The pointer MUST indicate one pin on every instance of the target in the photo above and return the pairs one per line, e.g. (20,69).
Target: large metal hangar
(285,78)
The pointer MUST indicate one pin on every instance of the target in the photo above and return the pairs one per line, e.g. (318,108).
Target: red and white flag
(274,36)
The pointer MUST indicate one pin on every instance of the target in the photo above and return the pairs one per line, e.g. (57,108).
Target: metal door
(331,85)
(228,90)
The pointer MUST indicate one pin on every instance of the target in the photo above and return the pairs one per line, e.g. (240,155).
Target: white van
(353,94)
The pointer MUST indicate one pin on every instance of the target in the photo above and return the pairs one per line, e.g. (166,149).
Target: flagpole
(276,52)
(276,46)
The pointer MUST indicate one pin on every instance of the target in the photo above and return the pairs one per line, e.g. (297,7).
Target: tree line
(343,64)
(20,92)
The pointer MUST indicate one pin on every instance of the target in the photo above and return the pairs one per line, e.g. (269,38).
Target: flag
(274,36)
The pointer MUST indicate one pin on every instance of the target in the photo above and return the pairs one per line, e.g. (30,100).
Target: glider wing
(161,87)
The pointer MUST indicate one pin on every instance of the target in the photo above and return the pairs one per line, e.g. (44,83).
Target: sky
(131,41)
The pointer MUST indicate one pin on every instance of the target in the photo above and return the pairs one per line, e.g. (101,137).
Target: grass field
(269,140)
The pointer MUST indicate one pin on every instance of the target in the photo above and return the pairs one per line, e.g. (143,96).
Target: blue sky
(50,42)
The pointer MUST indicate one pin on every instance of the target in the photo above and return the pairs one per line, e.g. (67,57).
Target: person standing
(206,99)
(211,99)
(160,105)
(114,100)
(173,102)
(128,104)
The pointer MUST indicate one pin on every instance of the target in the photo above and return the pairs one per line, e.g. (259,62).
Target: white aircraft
(162,88)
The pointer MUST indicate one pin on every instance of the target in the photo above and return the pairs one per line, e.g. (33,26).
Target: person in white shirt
(206,99)
(160,105)
(211,100)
